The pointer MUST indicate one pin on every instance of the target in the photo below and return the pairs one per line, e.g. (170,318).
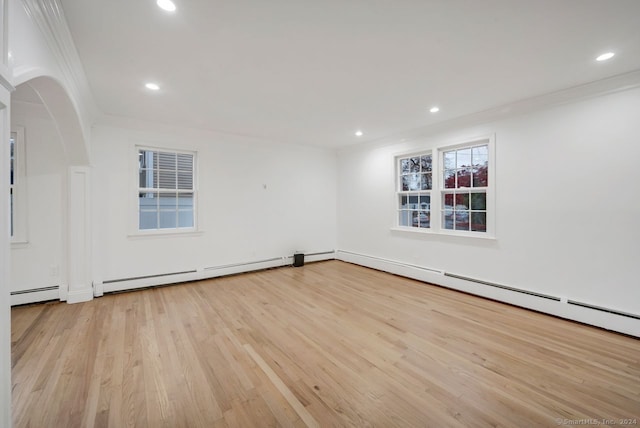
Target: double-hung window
(166,193)
(447,190)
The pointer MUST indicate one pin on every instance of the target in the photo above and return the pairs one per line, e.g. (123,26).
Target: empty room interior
(340,213)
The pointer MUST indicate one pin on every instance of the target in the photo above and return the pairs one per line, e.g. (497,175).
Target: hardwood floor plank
(328,344)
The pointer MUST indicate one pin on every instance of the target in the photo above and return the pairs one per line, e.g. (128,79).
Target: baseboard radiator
(503,287)
(147,281)
(33,295)
(600,316)
(603,309)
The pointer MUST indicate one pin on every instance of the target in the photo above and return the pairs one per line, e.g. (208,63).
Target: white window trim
(437,190)
(134,230)
(20,213)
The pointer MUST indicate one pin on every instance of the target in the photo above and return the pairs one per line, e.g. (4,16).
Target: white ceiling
(312,72)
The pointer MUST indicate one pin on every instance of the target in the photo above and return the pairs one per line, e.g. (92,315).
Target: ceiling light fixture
(434,109)
(359,133)
(167,5)
(152,86)
(605,56)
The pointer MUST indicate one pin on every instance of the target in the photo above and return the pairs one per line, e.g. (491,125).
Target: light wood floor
(328,344)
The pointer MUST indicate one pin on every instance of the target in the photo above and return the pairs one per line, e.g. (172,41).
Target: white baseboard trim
(556,306)
(34,296)
(79,296)
(102,287)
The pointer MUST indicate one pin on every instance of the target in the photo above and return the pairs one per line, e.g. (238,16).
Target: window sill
(424,231)
(165,234)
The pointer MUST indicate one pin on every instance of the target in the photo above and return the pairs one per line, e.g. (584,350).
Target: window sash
(171,199)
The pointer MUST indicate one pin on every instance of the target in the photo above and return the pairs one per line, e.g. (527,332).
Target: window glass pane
(12,144)
(167,161)
(450,160)
(415,219)
(480,155)
(450,179)
(148,159)
(479,221)
(464,158)
(168,219)
(405,183)
(478,201)
(404,166)
(415,164)
(426,182)
(148,220)
(185,162)
(185,180)
(411,182)
(424,218)
(480,176)
(448,200)
(447,219)
(425,163)
(425,202)
(148,178)
(447,211)
(403,202)
(148,201)
(168,201)
(167,179)
(403,218)
(462,201)
(464,177)
(414,200)
(185,200)
(462,220)
(185,218)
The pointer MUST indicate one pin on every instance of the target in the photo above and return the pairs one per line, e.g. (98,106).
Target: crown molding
(48,16)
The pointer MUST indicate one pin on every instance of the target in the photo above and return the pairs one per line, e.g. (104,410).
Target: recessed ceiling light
(359,133)
(152,86)
(434,109)
(605,56)
(167,5)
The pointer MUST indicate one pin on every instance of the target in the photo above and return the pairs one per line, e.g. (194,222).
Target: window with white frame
(13,174)
(460,178)
(414,182)
(465,180)
(166,193)
(17,186)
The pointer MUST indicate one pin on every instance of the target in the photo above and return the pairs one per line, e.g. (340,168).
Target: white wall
(567,204)
(239,220)
(39,262)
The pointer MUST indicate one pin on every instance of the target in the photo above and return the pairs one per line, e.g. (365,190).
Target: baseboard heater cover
(393,262)
(503,287)
(133,278)
(34,290)
(274,259)
(603,309)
